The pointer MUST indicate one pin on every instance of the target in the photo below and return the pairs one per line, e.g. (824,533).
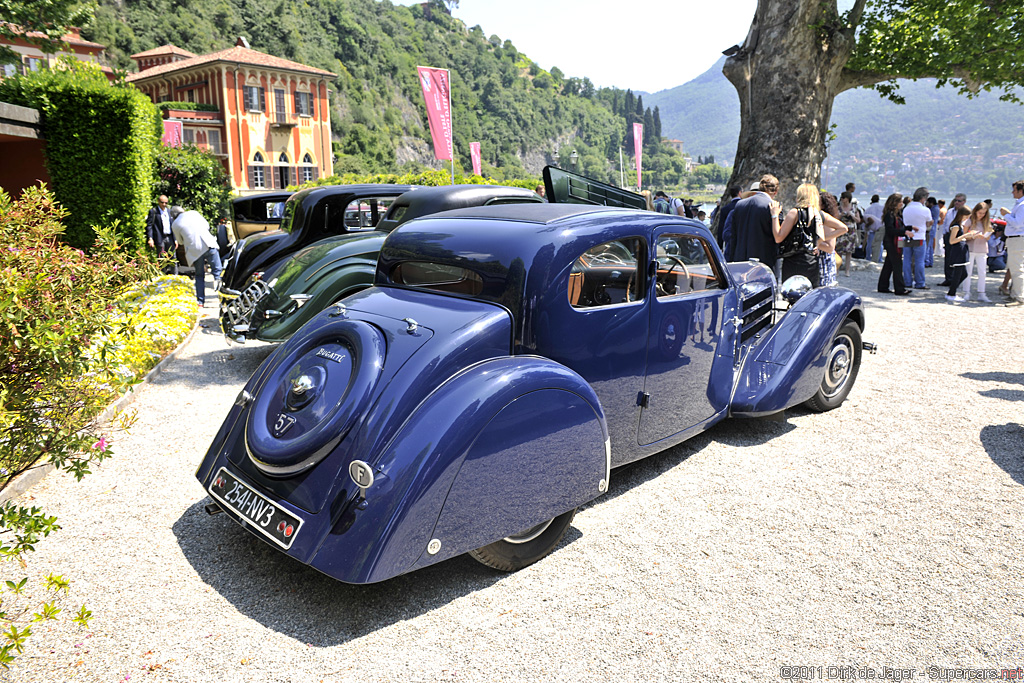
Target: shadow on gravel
(296,600)
(732,432)
(291,598)
(231,365)
(1004,377)
(1005,445)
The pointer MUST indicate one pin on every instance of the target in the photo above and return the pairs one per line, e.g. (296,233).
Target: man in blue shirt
(1015,244)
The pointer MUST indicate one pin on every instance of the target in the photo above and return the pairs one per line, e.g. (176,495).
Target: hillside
(519,113)
(937,138)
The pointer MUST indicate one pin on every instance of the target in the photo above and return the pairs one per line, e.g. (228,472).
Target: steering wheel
(676,261)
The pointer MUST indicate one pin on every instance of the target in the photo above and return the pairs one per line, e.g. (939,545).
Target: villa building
(267,118)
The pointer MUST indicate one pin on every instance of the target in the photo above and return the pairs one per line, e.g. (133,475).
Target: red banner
(437,95)
(638,146)
(172,134)
(474,154)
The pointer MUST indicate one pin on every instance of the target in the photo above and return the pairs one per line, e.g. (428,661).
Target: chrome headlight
(795,287)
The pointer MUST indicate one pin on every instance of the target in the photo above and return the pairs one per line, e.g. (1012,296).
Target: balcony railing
(282,120)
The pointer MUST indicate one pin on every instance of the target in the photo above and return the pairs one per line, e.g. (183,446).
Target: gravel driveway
(886,533)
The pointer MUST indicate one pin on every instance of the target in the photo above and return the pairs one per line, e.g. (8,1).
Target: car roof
(540,214)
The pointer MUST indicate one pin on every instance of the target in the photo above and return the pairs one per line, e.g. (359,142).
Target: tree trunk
(787,74)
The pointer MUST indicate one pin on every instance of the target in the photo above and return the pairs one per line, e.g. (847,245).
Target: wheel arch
(417,471)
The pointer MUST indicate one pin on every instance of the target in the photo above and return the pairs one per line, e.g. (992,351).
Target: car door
(603,334)
(685,331)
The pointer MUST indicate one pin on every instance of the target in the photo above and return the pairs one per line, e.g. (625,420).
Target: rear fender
(785,368)
(522,439)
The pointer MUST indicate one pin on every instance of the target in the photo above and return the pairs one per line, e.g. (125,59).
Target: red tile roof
(72,37)
(233,54)
(164,50)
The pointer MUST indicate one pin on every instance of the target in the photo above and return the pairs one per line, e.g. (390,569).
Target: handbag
(799,240)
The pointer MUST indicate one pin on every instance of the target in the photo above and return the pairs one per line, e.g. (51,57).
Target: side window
(365,214)
(608,274)
(685,265)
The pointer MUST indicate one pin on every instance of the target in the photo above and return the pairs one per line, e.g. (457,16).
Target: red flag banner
(474,154)
(437,95)
(172,134)
(638,146)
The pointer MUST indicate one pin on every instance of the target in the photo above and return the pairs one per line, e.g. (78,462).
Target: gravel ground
(886,533)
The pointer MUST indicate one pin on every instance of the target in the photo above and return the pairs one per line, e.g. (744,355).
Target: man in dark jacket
(158,229)
(755,220)
(723,213)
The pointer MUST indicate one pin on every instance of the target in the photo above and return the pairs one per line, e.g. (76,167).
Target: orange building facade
(271,127)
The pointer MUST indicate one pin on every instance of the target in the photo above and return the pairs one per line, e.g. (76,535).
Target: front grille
(239,310)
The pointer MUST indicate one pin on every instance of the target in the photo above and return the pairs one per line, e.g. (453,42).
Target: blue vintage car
(505,362)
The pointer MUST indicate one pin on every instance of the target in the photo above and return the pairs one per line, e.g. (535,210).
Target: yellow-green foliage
(432,178)
(148,321)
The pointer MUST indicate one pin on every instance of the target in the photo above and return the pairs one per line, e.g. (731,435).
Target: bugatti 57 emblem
(283,424)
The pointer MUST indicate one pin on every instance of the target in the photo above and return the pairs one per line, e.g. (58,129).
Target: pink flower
(101,444)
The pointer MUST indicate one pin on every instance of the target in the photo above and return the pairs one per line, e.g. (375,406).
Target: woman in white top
(976,229)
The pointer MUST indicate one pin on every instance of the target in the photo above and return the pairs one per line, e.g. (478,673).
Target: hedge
(100,138)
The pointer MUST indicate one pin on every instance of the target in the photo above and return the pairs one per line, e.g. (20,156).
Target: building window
(254,98)
(213,139)
(188,136)
(280,106)
(304,104)
(33,64)
(10,70)
(257,177)
(308,169)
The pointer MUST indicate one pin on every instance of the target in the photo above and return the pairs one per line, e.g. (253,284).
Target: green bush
(193,178)
(428,177)
(187,106)
(100,138)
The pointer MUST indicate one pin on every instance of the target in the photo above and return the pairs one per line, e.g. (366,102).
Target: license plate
(260,512)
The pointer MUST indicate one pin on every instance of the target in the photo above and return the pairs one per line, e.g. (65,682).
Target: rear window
(440,277)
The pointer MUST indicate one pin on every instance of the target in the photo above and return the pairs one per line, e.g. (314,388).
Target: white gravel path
(883,534)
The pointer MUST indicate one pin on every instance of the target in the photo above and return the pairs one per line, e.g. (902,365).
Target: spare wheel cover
(317,392)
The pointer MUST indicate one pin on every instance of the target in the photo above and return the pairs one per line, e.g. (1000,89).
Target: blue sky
(657,45)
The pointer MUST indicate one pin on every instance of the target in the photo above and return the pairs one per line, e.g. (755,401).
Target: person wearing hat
(192,231)
(755,222)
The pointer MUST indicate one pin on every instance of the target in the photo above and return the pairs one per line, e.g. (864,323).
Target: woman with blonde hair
(804,231)
(976,230)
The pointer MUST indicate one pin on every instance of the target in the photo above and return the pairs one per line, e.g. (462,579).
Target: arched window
(307,168)
(283,159)
(257,177)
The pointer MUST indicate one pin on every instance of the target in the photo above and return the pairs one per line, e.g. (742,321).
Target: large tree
(800,54)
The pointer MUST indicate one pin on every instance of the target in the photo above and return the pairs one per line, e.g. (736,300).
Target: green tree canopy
(800,54)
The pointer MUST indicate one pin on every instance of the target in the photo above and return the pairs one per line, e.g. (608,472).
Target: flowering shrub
(148,321)
(75,329)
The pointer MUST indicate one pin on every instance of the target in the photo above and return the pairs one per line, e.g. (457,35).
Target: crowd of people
(904,233)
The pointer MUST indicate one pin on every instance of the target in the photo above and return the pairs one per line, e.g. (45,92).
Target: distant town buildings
(33,58)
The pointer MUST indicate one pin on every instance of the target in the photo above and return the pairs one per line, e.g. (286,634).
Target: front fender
(501,446)
(785,368)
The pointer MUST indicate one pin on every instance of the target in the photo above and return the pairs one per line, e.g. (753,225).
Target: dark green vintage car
(331,269)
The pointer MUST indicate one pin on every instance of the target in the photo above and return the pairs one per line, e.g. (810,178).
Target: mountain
(521,114)
(938,138)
